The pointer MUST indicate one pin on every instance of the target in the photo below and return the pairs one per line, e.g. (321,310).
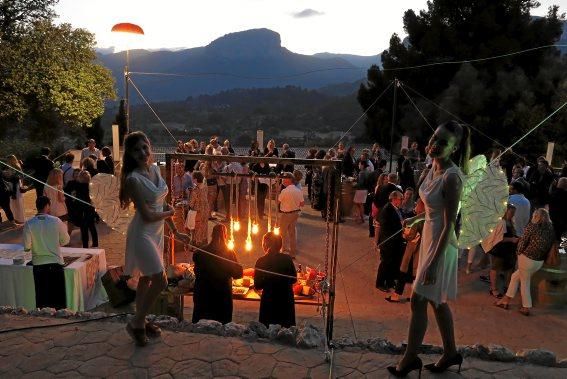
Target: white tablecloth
(83,286)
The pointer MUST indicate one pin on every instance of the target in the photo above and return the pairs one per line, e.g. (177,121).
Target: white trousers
(288,221)
(523,277)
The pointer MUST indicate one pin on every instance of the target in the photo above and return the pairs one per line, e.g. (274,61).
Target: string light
(230,244)
(255,228)
(277,230)
(248,244)
(236,226)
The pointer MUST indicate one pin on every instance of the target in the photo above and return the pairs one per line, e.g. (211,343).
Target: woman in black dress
(212,298)
(277,305)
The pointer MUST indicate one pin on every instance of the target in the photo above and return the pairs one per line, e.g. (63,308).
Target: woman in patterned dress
(199,202)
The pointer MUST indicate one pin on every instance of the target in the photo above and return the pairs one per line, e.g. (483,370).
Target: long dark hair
(218,239)
(129,164)
(462,155)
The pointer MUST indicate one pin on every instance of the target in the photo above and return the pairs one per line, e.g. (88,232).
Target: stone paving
(476,319)
(103,349)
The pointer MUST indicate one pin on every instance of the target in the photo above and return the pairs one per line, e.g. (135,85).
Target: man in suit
(383,196)
(390,242)
(287,153)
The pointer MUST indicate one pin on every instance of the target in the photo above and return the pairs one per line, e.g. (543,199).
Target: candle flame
(277,230)
(236,226)
(230,244)
(255,228)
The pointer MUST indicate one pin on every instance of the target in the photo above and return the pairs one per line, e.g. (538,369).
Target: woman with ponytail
(142,184)
(436,277)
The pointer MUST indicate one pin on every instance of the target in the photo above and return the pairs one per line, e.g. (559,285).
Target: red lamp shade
(126,27)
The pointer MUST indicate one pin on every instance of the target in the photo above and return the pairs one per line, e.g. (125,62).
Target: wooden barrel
(347,197)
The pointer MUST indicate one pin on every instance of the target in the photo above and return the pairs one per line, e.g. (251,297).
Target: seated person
(215,267)
(44,235)
(277,305)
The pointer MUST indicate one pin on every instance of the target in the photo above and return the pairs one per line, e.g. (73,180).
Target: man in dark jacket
(42,166)
(287,153)
(390,241)
(5,193)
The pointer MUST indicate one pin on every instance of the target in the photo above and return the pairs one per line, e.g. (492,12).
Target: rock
(258,328)
(185,326)
(273,331)
(64,313)
(6,309)
(286,336)
(538,357)
(208,327)
(309,337)
(500,353)
(95,315)
(47,312)
(562,363)
(232,329)
(84,315)
(20,311)
(380,345)
(33,312)
(475,351)
(165,321)
(249,335)
(344,342)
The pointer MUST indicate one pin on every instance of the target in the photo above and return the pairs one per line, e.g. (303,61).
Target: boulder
(208,327)
(258,328)
(344,342)
(273,331)
(64,313)
(6,309)
(47,312)
(232,329)
(309,337)
(538,357)
(562,363)
(286,336)
(500,353)
(249,335)
(380,345)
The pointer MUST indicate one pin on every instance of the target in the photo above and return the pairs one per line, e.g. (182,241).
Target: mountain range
(248,59)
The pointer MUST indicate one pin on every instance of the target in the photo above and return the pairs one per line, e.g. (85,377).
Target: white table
(83,286)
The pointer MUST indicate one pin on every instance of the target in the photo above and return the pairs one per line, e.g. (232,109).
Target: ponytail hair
(462,155)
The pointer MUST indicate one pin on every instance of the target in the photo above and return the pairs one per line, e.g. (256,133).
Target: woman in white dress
(142,184)
(18,190)
(436,277)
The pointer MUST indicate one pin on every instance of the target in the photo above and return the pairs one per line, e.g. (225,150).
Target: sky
(361,27)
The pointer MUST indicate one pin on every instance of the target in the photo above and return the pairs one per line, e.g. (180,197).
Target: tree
(16,15)
(52,79)
(502,98)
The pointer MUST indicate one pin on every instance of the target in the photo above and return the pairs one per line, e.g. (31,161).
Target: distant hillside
(248,59)
(357,60)
(341,89)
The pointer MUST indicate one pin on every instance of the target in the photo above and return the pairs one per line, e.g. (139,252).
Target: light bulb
(230,245)
(248,244)
(277,230)
(236,226)
(255,228)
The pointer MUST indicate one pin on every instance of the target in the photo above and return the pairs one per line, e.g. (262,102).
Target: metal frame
(334,245)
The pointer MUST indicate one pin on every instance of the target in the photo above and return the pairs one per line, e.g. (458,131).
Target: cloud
(307,13)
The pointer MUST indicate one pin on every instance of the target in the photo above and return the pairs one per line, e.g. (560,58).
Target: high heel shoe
(456,360)
(417,364)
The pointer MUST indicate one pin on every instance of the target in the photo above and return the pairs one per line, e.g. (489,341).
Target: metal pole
(396,84)
(334,253)
(127,92)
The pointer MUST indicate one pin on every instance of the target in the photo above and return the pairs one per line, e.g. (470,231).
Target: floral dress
(199,202)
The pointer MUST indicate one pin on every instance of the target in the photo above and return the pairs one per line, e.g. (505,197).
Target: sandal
(502,305)
(525,311)
(137,334)
(152,330)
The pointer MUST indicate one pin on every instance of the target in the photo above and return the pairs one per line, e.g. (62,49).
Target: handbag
(190,220)
(553,259)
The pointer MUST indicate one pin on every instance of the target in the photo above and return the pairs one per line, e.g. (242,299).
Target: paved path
(476,319)
(103,349)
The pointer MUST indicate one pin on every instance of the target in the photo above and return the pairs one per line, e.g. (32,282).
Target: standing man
(90,150)
(523,207)
(392,248)
(44,235)
(42,166)
(290,203)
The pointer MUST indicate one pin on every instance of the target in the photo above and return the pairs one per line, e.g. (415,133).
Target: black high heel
(417,364)
(456,360)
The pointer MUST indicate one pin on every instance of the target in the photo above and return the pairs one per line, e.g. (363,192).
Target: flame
(230,244)
(255,228)
(236,226)
(248,244)
(277,230)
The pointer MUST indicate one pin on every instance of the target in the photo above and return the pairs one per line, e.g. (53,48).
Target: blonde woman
(198,201)
(209,168)
(533,247)
(17,197)
(54,191)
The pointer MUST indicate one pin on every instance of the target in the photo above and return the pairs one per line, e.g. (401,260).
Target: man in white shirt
(44,235)
(523,207)
(90,150)
(290,203)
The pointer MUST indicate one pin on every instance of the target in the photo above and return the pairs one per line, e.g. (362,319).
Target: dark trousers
(370,225)
(389,269)
(38,189)
(86,226)
(261,198)
(5,205)
(49,280)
